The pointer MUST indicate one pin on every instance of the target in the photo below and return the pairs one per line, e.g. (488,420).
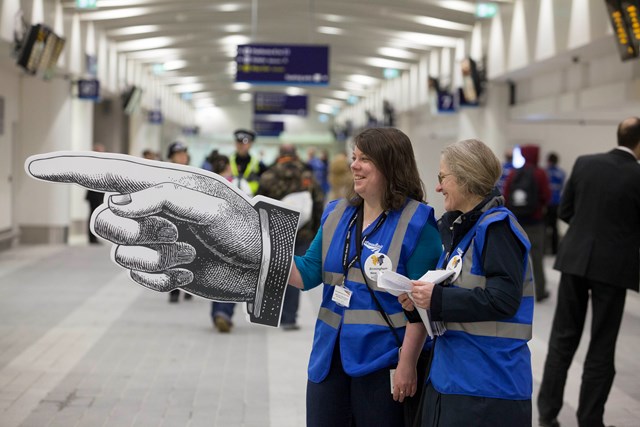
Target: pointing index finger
(109,172)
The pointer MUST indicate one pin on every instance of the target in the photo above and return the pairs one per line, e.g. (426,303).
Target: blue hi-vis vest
(366,343)
(486,359)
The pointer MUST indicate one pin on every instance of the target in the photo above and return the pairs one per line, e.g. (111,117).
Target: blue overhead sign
(283,64)
(266,128)
(279,103)
(89,89)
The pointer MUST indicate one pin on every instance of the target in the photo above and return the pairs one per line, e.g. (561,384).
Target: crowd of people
(368,214)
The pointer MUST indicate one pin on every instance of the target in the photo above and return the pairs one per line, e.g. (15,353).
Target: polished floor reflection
(82,345)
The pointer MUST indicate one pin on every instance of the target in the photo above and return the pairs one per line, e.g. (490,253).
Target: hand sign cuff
(278,228)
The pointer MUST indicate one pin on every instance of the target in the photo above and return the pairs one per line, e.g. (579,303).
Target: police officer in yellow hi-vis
(243,165)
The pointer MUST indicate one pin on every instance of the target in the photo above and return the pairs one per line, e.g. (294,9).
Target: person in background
(507,167)
(222,312)
(150,155)
(318,164)
(598,259)
(178,153)
(340,178)
(243,165)
(556,182)
(95,199)
(287,176)
(383,225)
(481,368)
(533,223)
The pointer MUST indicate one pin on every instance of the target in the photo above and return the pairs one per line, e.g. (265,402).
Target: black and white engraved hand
(179,227)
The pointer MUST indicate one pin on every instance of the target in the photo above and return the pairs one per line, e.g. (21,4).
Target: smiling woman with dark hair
(383,225)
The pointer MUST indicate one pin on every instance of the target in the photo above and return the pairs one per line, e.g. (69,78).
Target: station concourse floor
(83,345)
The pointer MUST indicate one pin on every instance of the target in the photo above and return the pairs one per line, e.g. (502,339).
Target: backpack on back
(522,199)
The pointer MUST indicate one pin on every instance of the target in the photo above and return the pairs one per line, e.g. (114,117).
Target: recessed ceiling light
(191,87)
(332,18)
(175,64)
(330,30)
(457,5)
(234,40)
(102,15)
(387,63)
(324,108)
(229,7)
(146,44)
(340,94)
(362,79)
(233,28)
(242,86)
(442,23)
(294,91)
(427,39)
(396,53)
(135,29)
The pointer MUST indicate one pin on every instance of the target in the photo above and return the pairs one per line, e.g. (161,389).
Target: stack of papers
(397,284)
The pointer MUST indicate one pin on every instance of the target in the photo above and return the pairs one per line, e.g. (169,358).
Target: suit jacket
(601,203)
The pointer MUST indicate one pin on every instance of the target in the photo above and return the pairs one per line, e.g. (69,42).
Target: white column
(10,9)
(43,209)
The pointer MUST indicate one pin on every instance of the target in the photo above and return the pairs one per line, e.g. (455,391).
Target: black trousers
(458,410)
(344,401)
(597,377)
(551,226)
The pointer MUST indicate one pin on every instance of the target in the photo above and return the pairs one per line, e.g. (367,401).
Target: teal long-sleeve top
(424,257)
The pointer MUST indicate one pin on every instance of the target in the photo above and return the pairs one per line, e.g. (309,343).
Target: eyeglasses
(441,177)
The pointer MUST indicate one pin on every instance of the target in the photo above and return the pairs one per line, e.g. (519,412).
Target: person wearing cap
(177,153)
(243,165)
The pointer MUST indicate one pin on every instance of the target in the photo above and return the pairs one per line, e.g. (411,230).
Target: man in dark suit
(599,256)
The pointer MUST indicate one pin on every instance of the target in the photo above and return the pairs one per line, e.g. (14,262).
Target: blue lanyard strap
(356,219)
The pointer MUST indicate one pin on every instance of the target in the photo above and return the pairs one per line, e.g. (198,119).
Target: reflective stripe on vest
(361,317)
(468,280)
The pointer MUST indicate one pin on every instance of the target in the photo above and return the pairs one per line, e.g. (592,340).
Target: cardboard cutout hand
(175,226)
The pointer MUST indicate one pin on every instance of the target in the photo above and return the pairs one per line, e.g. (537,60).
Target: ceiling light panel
(442,23)
(397,53)
(134,30)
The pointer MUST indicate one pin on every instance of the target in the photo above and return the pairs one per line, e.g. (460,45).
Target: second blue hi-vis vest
(486,359)
(366,343)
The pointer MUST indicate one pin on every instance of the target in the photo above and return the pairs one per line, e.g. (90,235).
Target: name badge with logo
(376,264)
(455,264)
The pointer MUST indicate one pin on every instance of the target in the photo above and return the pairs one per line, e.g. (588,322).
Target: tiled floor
(82,345)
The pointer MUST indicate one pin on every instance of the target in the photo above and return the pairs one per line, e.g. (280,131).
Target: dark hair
(552,158)
(218,161)
(629,132)
(391,152)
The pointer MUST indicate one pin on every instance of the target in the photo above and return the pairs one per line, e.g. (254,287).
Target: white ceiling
(199,37)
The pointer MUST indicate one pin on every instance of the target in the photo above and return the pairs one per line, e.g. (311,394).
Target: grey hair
(475,166)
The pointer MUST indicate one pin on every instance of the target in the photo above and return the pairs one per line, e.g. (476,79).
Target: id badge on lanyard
(342,294)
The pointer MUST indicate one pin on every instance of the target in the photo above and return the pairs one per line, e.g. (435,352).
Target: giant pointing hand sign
(175,226)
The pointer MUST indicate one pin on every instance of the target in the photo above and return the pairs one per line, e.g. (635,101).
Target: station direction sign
(294,65)
(279,103)
(268,128)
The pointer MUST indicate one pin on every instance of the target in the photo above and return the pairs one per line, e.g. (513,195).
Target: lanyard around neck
(357,220)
